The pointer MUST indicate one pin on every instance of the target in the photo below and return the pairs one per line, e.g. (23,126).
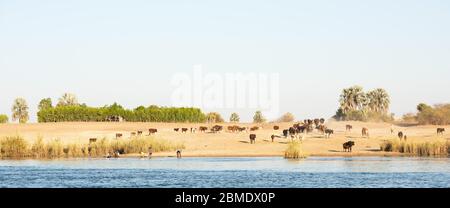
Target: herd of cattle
(296,131)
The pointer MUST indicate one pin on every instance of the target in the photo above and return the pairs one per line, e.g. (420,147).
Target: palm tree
(68,99)
(378,100)
(234,117)
(20,110)
(352,98)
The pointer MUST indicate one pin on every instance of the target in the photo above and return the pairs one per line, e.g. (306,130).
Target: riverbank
(227,144)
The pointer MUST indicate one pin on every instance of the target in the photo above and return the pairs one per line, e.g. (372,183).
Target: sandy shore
(227,144)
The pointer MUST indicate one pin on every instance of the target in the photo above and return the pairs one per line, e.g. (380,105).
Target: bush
(294,150)
(437,115)
(13,146)
(437,148)
(214,117)
(287,117)
(150,114)
(3,118)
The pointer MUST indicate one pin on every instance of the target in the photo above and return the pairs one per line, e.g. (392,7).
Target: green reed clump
(435,148)
(55,149)
(13,146)
(294,151)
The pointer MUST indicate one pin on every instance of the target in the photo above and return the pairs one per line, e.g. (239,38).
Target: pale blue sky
(318,47)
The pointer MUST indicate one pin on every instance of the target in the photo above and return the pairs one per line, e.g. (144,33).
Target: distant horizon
(130,52)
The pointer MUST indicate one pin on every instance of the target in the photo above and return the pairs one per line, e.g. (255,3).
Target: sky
(129,51)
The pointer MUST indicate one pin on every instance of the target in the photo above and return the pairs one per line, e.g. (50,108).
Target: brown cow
(321,129)
(252,138)
(365,132)
(139,133)
(152,131)
(348,128)
(179,154)
(254,128)
(184,130)
(203,128)
(176,129)
(118,135)
(276,128)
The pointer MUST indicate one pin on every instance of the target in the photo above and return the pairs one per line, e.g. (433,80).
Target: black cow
(440,131)
(252,138)
(348,146)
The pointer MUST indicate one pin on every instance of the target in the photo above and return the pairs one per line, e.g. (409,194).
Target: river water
(239,172)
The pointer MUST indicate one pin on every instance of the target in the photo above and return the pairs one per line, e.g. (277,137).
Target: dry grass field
(231,144)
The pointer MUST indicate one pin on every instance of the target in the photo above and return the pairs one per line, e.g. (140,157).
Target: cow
(176,129)
(440,131)
(400,135)
(152,131)
(272,137)
(139,133)
(316,122)
(292,132)
(203,128)
(184,130)
(276,128)
(179,154)
(322,121)
(92,140)
(118,135)
(252,138)
(285,133)
(254,128)
(321,128)
(348,128)
(133,134)
(365,132)
(328,133)
(241,129)
(216,128)
(193,130)
(347,146)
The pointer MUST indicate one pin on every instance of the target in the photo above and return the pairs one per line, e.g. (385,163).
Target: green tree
(45,103)
(20,110)
(234,117)
(258,117)
(68,99)
(378,101)
(3,118)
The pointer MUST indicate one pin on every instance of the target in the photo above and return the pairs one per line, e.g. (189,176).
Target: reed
(16,146)
(294,151)
(424,149)
(13,146)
